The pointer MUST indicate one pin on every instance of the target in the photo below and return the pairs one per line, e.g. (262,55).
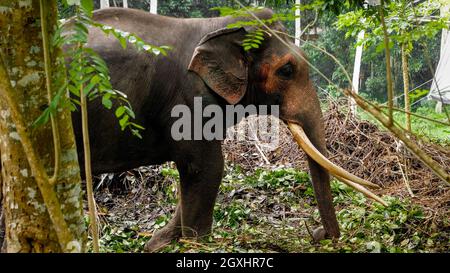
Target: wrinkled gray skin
(208,62)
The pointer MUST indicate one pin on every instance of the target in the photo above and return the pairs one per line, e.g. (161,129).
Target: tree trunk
(2,220)
(29,217)
(406,87)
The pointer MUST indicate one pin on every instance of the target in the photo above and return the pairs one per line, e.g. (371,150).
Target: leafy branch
(253,40)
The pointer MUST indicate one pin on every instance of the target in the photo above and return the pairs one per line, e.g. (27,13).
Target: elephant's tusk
(363,190)
(304,142)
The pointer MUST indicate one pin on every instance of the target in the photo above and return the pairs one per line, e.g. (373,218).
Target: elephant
(207,61)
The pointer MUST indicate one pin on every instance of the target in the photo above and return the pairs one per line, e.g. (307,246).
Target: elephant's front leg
(200,165)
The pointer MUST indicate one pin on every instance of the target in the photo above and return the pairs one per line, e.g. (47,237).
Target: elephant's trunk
(321,179)
(308,130)
(312,126)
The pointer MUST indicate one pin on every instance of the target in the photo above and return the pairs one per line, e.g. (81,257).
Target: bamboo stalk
(88,171)
(48,79)
(406,87)
(390,87)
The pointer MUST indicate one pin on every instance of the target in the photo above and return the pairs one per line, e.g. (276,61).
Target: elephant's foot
(319,234)
(162,238)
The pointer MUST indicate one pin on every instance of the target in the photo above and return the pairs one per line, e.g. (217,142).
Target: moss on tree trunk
(29,228)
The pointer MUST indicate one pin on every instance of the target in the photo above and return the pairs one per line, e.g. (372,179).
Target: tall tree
(41,178)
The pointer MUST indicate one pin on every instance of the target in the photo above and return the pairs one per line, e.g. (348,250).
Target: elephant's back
(156,29)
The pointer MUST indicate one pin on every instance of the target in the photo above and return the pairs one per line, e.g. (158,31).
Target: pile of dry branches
(364,150)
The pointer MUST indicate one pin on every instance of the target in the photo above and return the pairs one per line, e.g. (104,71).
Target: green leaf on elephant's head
(123,42)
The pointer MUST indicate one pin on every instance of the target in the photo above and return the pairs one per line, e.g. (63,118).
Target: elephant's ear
(220,61)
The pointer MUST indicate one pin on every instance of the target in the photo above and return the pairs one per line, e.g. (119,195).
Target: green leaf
(74,90)
(130,112)
(124,122)
(88,6)
(120,111)
(137,126)
(87,89)
(136,133)
(107,102)
(95,79)
(123,42)
(42,119)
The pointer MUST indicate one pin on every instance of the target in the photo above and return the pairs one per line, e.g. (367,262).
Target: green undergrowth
(275,211)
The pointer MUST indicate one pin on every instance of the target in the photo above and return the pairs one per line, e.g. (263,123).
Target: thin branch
(405,178)
(406,87)
(48,78)
(390,87)
(88,171)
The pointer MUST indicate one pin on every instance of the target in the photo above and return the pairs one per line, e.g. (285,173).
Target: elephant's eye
(286,71)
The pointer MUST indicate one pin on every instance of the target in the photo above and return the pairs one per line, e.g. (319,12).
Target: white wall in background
(154,6)
(298,23)
(442,77)
(357,70)
(104,4)
(441,81)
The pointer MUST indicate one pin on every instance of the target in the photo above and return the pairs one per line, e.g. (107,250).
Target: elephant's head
(276,73)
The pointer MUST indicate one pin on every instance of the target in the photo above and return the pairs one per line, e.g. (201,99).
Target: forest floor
(266,202)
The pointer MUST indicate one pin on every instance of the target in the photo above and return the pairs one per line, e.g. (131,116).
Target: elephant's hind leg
(201,169)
